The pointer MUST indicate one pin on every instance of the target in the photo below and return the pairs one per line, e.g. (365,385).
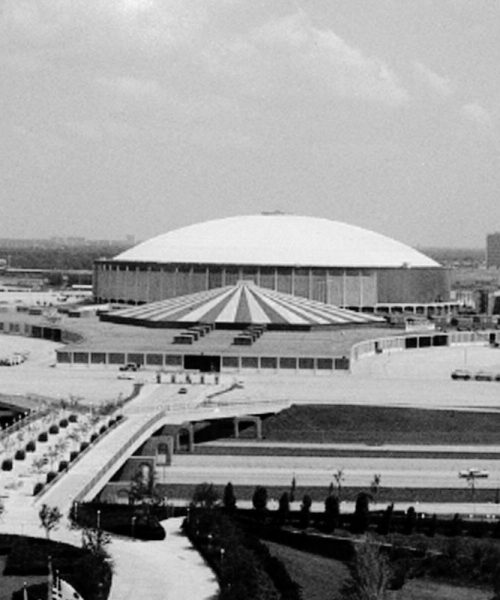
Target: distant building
(317,259)
(493,250)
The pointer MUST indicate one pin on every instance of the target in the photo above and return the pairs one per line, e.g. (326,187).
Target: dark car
(129,367)
(461,374)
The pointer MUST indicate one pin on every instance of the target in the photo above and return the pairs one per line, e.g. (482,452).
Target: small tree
(49,518)
(339,477)
(410,521)
(332,513)
(229,499)
(370,574)
(205,495)
(259,499)
(305,511)
(361,513)
(375,484)
(283,508)
(386,522)
(96,541)
(293,488)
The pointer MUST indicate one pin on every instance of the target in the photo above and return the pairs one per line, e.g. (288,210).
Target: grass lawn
(10,584)
(424,589)
(320,578)
(381,425)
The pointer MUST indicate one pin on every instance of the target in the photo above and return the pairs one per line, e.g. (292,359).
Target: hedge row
(244,566)
(141,521)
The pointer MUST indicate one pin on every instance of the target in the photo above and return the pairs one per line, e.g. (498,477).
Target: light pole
(98,519)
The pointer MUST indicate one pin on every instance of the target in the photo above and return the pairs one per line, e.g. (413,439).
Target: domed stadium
(314,258)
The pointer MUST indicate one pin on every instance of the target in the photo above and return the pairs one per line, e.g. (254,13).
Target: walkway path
(153,570)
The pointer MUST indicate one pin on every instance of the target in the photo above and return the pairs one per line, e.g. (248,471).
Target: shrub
(84,446)
(7,464)
(51,475)
(93,437)
(73,454)
(63,465)
(111,422)
(37,488)
(20,455)
(43,437)
(63,423)
(332,513)
(259,499)
(305,511)
(53,429)
(361,516)
(72,418)
(30,446)
(102,430)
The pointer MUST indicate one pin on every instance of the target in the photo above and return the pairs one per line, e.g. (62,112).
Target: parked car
(479,473)
(484,376)
(126,376)
(129,367)
(461,374)
(182,390)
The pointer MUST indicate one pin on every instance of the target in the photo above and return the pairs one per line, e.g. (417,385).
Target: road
(318,471)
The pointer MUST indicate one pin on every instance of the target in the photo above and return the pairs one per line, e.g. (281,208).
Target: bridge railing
(109,464)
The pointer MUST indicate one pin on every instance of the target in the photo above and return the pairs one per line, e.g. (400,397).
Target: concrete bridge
(155,407)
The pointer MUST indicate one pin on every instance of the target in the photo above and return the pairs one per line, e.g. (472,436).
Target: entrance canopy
(239,306)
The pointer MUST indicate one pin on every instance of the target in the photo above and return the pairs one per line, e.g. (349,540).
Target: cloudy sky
(139,116)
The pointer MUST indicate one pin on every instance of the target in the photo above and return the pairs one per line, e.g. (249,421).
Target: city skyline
(157,114)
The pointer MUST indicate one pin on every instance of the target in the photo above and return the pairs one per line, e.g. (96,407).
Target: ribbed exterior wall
(131,283)
(413,285)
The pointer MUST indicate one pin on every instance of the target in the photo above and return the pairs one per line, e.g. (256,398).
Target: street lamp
(132,527)
(98,519)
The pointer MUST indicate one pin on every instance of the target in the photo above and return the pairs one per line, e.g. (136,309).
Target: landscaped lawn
(381,425)
(320,578)
(424,589)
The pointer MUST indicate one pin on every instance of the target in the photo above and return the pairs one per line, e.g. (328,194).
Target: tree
(293,488)
(305,511)
(96,541)
(361,513)
(49,518)
(205,495)
(385,523)
(229,499)
(283,508)
(259,499)
(332,513)
(410,520)
(370,574)
(339,480)
(375,484)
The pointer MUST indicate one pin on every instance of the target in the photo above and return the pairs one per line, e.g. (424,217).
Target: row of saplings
(7,464)
(73,455)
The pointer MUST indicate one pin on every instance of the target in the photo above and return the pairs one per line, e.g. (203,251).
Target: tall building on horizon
(493,250)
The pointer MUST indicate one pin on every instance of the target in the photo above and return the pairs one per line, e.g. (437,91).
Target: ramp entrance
(202,362)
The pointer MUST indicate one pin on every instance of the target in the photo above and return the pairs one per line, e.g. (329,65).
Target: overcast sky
(139,116)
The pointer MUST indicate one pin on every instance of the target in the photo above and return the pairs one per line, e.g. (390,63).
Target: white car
(476,473)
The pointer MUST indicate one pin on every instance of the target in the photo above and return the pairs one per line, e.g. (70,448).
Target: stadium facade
(319,259)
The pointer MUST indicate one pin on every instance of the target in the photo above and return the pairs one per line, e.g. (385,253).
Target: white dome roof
(279,240)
